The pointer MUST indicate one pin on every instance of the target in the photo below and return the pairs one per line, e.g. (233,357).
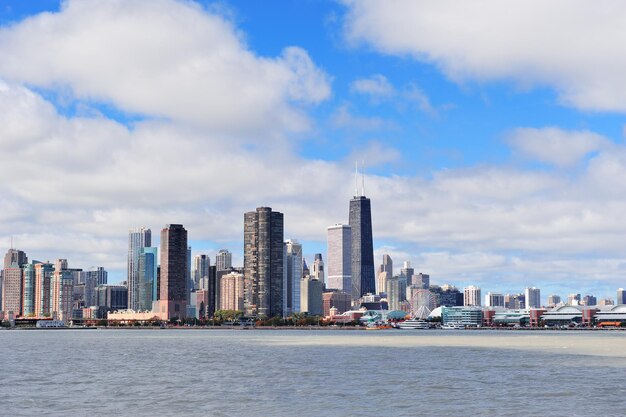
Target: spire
(356,178)
(363,178)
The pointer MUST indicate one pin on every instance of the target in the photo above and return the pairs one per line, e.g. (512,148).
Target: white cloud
(571,45)
(343,118)
(162,58)
(556,146)
(376,86)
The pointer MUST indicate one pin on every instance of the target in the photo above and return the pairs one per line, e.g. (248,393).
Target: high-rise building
(553,300)
(493,299)
(112,297)
(138,238)
(471,296)
(62,297)
(305,268)
(447,295)
(621,296)
(589,300)
(394,290)
(515,301)
(231,291)
(43,289)
(385,272)
(421,280)
(574,299)
(532,297)
(263,262)
(28,290)
(606,302)
(293,277)
(318,268)
(90,280)
(340,258)
(311,296)
(407,272)
(363,270)
(223,260)
(174,277)
(200,269)
(146,279)
(12,281)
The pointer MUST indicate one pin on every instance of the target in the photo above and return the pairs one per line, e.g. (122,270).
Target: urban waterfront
(311,373)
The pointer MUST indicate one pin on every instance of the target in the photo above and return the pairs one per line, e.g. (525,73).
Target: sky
(491,132)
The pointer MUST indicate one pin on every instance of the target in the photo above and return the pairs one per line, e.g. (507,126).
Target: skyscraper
(318,268)
(200,269)
(621,296)
(553,300)
(421,280)
(61,299)
(138,238)
(363,271)
(293,276)
(223,260)
(532,297)
(12,281)
(43,288)
(407,272)
(340,258)
(263,262)
(147,279)
(173,278)
(493,299)
(28,290)
(384,273)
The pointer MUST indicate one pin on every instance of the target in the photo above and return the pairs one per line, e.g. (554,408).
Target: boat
(413,324)
(453,326)
(377,326)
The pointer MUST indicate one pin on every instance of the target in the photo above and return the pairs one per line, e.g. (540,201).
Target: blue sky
(493,153)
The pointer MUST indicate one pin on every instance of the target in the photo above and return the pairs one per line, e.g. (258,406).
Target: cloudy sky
(492,131)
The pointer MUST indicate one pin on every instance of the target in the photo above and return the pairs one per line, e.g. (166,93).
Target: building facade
(293,277)
(385,272)
(173,280)
(532,296)
(146,279)
(223,260)
(12,281)
(493,299)
(263,262)
(231,291)
(471,296)
(363,270)
(138,238)
(311,296)
(340,258)
(317,270)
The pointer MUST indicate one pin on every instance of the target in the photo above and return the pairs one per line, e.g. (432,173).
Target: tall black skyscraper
(173,274)
(263,262)
(363,271)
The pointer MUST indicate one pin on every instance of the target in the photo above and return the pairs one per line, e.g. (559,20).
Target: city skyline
(486,165)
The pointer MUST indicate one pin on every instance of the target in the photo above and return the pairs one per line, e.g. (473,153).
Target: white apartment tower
(471,296)
(339,261)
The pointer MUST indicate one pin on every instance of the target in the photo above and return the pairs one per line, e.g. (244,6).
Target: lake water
(312,373)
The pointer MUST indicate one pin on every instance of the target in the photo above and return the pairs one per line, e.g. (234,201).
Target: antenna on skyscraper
(356,178)
(363,178)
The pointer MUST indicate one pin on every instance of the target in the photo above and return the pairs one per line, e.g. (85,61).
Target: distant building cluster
(167,283)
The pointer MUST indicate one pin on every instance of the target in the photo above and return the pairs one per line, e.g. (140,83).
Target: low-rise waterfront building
(468,315)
